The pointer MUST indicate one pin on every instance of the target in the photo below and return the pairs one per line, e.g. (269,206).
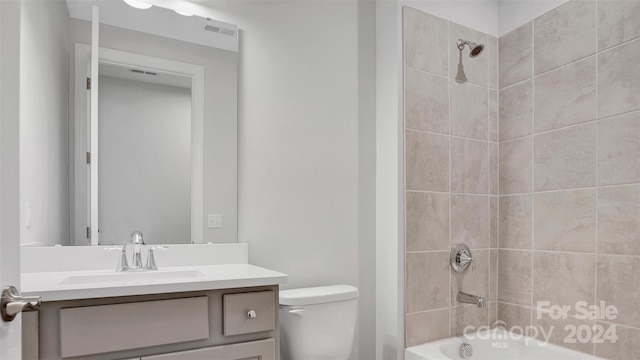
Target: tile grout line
(546,72)
(446,192)
(610,117)
(598,51)
(572,62)
(450,166)
(519,82)
(544,251)
(436,251)
(533,171)
(489,183)
(513,304)
(428,311)
(570,189)
(497,270)
(621,325)
(405,312)
(544,132)
(595,269)
(447,77)
(565,127)
(449,135)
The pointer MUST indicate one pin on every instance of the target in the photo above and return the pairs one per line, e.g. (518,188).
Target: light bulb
(138,4)
(183,13)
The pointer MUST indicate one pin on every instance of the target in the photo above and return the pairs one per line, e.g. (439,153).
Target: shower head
(475,49)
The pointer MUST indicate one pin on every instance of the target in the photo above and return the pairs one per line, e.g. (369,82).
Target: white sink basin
(131,277)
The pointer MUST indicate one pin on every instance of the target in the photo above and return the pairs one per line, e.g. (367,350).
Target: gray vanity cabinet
(254,350)
(229,324)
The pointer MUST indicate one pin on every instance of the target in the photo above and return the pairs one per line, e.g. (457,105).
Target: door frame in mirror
(80,212)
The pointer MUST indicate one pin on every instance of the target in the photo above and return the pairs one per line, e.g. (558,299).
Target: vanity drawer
(106,328)
(254,350)
(239,309)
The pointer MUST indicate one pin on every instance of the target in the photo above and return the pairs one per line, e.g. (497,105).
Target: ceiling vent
(227,32)
(220,30)
(144,72)
(211,28)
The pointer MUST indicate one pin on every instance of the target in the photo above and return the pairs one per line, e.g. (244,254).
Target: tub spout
(465,298)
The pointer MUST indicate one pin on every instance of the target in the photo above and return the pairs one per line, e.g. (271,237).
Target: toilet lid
(318,295)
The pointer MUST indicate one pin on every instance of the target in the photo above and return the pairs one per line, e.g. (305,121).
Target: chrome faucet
(465,298)
(136,240)
(136,262)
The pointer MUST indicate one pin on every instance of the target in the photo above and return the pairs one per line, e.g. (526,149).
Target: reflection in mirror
(154,175)
(156,196)
(145,148)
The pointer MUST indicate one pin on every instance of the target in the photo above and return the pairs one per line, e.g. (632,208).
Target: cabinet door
(254,350)
(30,341)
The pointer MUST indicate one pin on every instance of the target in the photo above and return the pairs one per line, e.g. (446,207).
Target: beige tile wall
(451,151)
(569,214)
(552,211)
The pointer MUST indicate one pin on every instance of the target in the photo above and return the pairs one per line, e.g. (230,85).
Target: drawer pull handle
(252,314)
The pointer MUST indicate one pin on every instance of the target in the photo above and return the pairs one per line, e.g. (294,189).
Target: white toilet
(318,323)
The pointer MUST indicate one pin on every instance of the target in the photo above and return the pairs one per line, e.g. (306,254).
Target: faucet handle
(466,258)
(123,264)
(151,259)
(460,258)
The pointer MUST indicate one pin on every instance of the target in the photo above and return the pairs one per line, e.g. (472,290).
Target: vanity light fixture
(138,4)
(183,13)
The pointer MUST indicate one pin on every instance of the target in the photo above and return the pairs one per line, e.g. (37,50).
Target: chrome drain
(466,351)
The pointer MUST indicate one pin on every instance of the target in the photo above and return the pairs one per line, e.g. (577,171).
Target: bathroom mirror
(149,145)
(151,111)
(152,128)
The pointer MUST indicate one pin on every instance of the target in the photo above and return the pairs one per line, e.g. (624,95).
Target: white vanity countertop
(73,285)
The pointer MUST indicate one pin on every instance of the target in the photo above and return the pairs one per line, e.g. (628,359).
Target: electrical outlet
(214,221)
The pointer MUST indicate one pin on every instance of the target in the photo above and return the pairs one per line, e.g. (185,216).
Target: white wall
(44,84)
(145,161)
(305,186)
(220,112)
(366,177)
(514,13)
(298,138)
(389,246)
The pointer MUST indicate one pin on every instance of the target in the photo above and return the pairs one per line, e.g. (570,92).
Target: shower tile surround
(562,193)
(451,138)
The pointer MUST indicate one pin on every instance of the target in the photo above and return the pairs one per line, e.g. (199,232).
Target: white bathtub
(493,344)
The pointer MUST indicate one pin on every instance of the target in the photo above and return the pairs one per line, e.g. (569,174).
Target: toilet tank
(318,323)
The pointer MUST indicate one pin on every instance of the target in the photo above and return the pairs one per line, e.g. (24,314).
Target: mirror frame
(85,202)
